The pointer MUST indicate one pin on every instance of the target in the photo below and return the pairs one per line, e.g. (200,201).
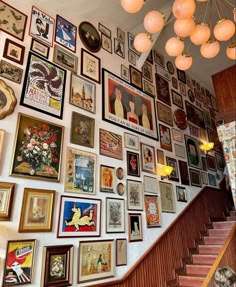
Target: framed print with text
(153,210)
(90,66)
(148,159)
(107,178)
(121,251)
(167,197)
(134,195)
(135,231)
(150,184)
(104,30)
(6,200)
(115,215)
(179,150)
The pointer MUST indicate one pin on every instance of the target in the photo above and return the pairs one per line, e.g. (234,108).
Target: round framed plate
(180,119)
(120,188)
(170,67)
(90,37)
(120,173)
(191,95)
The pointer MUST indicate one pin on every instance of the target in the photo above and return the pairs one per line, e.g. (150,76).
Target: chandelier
(188,23)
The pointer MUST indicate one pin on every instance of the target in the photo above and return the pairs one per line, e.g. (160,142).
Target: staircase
(201,258)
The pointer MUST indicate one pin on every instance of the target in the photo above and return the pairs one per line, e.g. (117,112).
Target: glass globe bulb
(184,61)
(154,21)
(200,34)
(184,27)
(183,8)
(210,49)
(231,50)
(142,42)
(132,6)
(174,46)
(224,29)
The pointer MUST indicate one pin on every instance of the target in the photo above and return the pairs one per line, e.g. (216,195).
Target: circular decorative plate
(120,188)
(180,119)
(90,36)
(7,100)
(170,67)
(120,173)
(191,96)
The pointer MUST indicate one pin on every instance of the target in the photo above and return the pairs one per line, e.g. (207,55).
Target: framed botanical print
(121,251)
(131,141)
(193,154)
(165,137)
(164,114)
(106,43)
(37,149)
(177,99)
(115,215)
(10,72)
(90,66)
(79,217)
(125,73)
(65,59)
(39,48)
(6,199)
(147,72)
(133,167)
(160,156)
(148,160)
(135,231)
(107,178)
(91,42)
(181,193)
(57,267)
(183,170)
(211,162)
(163,93)
(177,135)
(80,171)
(134,195)
(135,77)
(37,210)
(14,51)
(167,197)
(173,163)
(195,177)
(119,48)
(153,211)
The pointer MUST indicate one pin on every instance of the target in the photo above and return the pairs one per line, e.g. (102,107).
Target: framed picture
(82,93)
(121,251)
(96,260)
(162,72)
(79,217)
(7,102)
(183,170)
(213,137)
(120,188)
(65,59)
(175,83)
(119,48)
(177,135)
(133,167)
(39,48)
(167,197)
(149,88)
(10,72)
(147,72)
(6,199)
(125,73)
(42,26)
(211,162)
(107,178)
(207,118)
(90,66)
(2,135)
(195,177)
(182,88)
(110,144)
(45,98)
(164,114)
(15,265)
(37,149)
(37,210)
(57,267)
(106,43)
(66,33)
(135,232)
(194,115)
(177,99)
(179,150)
(80,171)
(220,161)
(153,211)
(135,77)
(150,184)
(160,156)
(193,154)
(120,35)
(131,43)
(150,57)
(13,21)
(82,130)
(115,215)
(214,103)
(204,163)
(165,137)
(14,51)
(131,141)
(181,194)
(204,178)
(212,180)
(120,173)
(134,195)
(173,162)
(159,59)
(194,131)
(126,106)
(93,42)
(148,160)
(181,76)
(170,67)
(191,96)
(163,93)
(104,30)
(132,57)
(180,119)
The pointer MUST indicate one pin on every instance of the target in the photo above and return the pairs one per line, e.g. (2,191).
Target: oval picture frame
(120,188)
(7,100)
(90,37)
(120,173)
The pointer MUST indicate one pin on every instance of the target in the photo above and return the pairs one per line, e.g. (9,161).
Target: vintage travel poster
(152,208)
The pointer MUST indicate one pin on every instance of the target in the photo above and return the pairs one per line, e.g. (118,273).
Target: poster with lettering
(44,86)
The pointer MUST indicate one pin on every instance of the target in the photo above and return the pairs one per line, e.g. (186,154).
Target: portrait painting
(134,195)
(110,144)
(148,159)
(163,93)
(193,153)
(107,178)
(90,37)
(165,137)
(152,210)
(115,215)
(135,231)
(133,167)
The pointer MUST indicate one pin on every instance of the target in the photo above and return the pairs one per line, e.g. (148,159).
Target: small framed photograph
(120,188)
(115,215)
(110,144)
(165,137)
(7,104)
(148,158)
(211,162)
(164,114)
(181,76)
(57,267)
(22,265)
(96,260)
(106,43)
(181,194)
(150,184)
(183,170)
(125,73)
(177,135)
(159,59)
(121,251)
(167,197)
(120,173)
(82,130)
(134,195)
(10,72)
(195,177)
(177,99)
(153,211)
(65,59)
(220,160)
(170,67)
(175,83)
(14,51)
(131,43)
(179,150)
(173,162)
(120,35)
(212,180)
(133,167)
(204,178)
(131,141)
(2,135)
(147,72)
(90,37)
(37,210)
(119,48)
(135,232)
(104,30)
(107,178)
(79,217)
(160,156)
(163,73)
(132,57)
(90,66)
(182,88)
(6,199)
(135,77)
(149,88)
(163,93)
(39,48)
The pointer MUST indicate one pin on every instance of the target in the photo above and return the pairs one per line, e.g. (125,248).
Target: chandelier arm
(218,9)
(204,18)
(211,18)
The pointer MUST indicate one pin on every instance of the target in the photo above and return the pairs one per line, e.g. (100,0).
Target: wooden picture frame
(182,88)
(150,184)
(150,57)
(164,114)
(8,100)
(121,251)
(173,162)
(119,48)
(96,260)
(2,135)
(79,217)
(106,43)
(92,43)
(152,210)
(183,170)
(120,188)
(37,210)
(132,57)
(14,51)
(159,59)
(120,35)
(177,99)
(33,157)
(14,264)
(104,30)
(135,77)
(181,194)
(177,135)
(212,180)
(160,156)
(165,137)
(193,153)
(133,166)
(39,48)
(107,178)
(194,115)
(162,72)
(181,75)
(57,267)
(90,66)
(195,177)
(220,161)
(124,73)
(204,178)
(78,177)
(10,72)
(131,141)
(149,88)
(147,72)
(134,195)
(148,159)
(6,199)
(179,150)
(167,197)
(211,162)
(48,99)
(162,88)
(115,215)
(120,173)
(65,59)
(135,231)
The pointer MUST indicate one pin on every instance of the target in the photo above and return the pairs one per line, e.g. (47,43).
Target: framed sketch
(162,72)
(22,265)
(126,106)
(183,170)
(134,195)
(132,57)
(65,59)
(6,199)
(194,115)
(164,114)
(93,42)
(57,267)
(167,197)
(37,210)
(37,149)
(115,215)
(107,178)
(90,66)
(46,98)
(149,88)
(7,103)
(13,21)
(177,99)
(181,76)
(147,72)
(82,130)
(212,180)
(14,51)
(80,171)
(195,177)
(181,193)
(79,217)
(182,88)
(131,141)
(2,135)
(131,43)
(193,153)
(160,156)
(135,232)
(177,135)
(10,72)
(42,26)
(211,162)
(204,178)
(159,59)
(124,72)
(133,167)
(39,48)
(163,93)
(120,35)
(220,161)
(152,210)
(104,30)
(82,93)
(150,184)
(148,160)
(173,163)
(165,137)
(179,150)
(119,48)
(121,251)
(66,33)
(135,77)
(106,43)
(96,260)
(194,131)
(110,144)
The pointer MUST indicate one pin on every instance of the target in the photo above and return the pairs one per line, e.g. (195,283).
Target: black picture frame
(119,48)
(136,77)
(162,90)
(177,99)
(183,171)
(133,163)
(93,43)
(181,76)
(195,177)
